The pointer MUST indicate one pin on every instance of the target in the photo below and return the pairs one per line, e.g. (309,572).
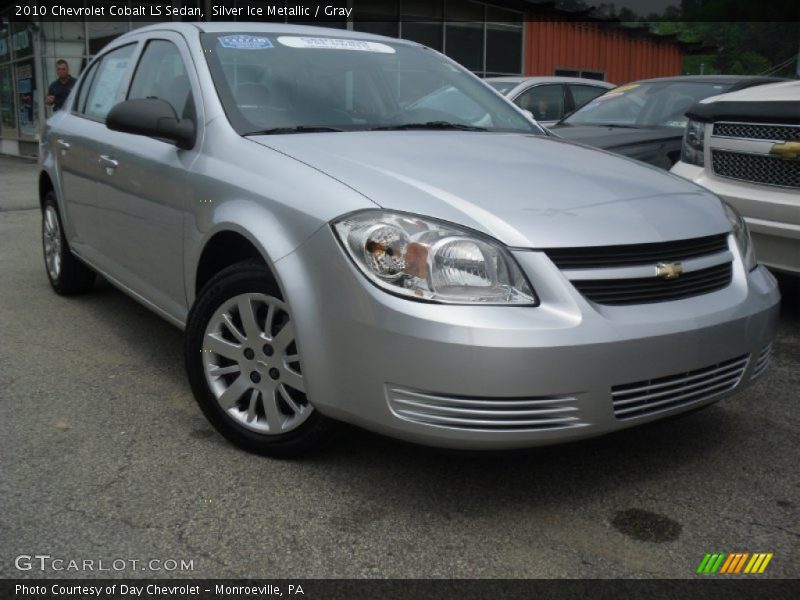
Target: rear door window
(80,103)
(105,89)
(581,94)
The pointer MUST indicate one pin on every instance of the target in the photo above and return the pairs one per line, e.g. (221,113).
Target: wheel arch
(45,186)
(224,247)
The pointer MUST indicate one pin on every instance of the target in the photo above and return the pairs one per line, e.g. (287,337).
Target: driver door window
(546,102)
(162,74)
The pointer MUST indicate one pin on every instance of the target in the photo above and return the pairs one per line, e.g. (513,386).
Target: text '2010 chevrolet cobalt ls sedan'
(336,250)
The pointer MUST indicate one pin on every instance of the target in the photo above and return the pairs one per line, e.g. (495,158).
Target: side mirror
(154,118)
(529,114)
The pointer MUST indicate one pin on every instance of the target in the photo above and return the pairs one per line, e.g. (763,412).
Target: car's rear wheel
(66,273)
(244,365)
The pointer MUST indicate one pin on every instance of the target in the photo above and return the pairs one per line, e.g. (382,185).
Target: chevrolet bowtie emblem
(786,150)
(669,270)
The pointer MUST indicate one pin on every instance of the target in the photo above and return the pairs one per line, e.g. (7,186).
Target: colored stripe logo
(734,563)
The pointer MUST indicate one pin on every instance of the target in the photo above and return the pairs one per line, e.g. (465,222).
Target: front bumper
(484,377)
(772,215)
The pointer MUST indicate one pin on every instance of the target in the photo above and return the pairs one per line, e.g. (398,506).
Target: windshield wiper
(620,125)
(428,125)
(295,129)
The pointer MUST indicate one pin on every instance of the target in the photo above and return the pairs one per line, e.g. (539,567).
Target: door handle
(63,145)
(108,162)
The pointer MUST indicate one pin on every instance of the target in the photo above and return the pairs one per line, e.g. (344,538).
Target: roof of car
(551,79)
(262,27)
(772,92)
(709,79)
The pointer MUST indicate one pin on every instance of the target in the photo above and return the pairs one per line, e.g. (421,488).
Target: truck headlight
(742,235)
(694,143)
(424,259)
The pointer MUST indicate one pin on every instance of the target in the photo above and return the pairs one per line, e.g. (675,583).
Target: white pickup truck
(745,147)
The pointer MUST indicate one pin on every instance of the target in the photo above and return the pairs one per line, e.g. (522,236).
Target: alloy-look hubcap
(252,366)
(52,243)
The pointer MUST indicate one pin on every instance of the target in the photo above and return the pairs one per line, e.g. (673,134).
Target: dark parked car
(645,119)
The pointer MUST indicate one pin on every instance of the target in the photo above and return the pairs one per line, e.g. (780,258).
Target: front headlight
(694,143)
(742,235)
(424,259)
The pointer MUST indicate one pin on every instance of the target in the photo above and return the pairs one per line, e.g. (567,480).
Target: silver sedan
(339,250)
(549,99)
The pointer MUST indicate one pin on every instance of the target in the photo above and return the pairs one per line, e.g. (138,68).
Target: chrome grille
(485,414)
(757,131)
(756,168)
(655,289)
(636,254)
(762,362)
(647,397)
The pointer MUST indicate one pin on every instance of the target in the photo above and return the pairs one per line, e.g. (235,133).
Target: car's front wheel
(244,365)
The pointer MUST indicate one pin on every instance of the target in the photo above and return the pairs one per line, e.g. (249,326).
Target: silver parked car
(336,251)
(549,99)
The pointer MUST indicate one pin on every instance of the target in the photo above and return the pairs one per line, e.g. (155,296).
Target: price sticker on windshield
(623,88)
(322,43)
(245,42)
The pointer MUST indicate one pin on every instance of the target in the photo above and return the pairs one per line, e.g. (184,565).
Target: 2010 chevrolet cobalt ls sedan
(337,251)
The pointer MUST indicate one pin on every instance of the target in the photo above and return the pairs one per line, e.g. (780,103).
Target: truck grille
(654,289)
(757,131)
(483,414)
(643,398)
(756,168)
(636,254)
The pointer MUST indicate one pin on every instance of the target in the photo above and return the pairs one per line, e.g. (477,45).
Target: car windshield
(286,83)
(502,86)
(653,104)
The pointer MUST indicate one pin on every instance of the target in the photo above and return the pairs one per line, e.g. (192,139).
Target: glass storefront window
(464,44)
(5,44)
(27,102)
(8,117)
(503,41)
(21,40)
(429,33)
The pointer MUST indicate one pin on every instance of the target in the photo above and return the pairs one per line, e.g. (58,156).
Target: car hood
(615,137)
(527,191)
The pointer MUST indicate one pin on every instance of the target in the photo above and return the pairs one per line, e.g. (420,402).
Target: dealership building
(500,37)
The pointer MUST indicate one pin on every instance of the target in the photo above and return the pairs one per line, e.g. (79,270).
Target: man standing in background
(59,90)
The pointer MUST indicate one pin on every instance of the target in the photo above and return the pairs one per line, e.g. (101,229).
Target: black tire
(73,277)
(315,433)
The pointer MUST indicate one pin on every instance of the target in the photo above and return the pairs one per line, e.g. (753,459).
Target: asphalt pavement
(105,456)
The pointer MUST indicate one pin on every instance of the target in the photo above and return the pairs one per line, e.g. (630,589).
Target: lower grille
(486,414)
(762,362)
(756,168)
(655,289)
(643,398)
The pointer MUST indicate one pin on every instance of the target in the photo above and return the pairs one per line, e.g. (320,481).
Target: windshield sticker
(245,42)
(624,88)
(334,44)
